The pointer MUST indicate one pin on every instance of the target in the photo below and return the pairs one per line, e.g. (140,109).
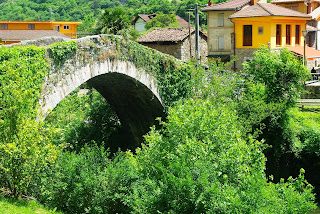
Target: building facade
(253,24)
(20,29)
(175,42)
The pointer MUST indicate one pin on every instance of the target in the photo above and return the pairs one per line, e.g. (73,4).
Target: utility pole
(197,32)
(190,37)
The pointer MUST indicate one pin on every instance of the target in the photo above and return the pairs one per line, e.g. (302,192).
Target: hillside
(87,10)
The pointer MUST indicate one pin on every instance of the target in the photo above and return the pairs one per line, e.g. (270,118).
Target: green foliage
(112,20)
(63,50)
(303,132)
(199,163)
(163,21)
(88,182)
(282,75)
(82,117)
(24,147)
(10,206)
(173,77)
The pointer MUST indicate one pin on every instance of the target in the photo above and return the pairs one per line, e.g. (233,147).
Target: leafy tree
(25,144)
(281,73)
(112,20)
(163,21)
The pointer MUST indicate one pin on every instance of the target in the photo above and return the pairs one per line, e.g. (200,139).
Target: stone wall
(311,36)
(243,54)
(181,50)
(185,52)
(171,48)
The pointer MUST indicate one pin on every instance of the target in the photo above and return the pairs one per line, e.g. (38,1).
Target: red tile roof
(229,5)
(147,17)
(20,35)
(291,1)
(310,52)
(167,35)
(266,9)
(182,22)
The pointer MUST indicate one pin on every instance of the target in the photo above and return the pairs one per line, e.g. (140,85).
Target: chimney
(309,7)
(253,2)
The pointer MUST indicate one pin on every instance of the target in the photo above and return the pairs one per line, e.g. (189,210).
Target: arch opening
(133,103)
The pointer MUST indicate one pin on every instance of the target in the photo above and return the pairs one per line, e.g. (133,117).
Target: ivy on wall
(173,76)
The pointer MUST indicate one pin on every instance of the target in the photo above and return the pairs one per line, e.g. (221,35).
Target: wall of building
(171,48)
(243,54)
(269,30)
(181,50)
(23,25)
(185,48)
(140,25)
(215,32)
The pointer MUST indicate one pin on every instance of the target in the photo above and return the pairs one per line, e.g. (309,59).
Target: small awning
(310,52)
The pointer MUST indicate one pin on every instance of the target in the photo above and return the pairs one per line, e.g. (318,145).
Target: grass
(12,206)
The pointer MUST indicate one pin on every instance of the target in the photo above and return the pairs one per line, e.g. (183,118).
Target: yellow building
(16,31)
(266,24)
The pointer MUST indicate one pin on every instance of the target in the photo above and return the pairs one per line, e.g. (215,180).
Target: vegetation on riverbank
(208,155)
(13,206)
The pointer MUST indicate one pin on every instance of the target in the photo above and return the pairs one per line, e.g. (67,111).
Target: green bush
(89,182)
(199,163)
(25,148)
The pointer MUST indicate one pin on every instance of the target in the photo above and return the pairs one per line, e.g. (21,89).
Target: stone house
(141,20)
(175,41)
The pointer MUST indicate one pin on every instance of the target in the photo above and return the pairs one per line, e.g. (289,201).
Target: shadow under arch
(134,103)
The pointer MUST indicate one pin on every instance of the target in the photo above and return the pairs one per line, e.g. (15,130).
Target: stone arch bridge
(131,90)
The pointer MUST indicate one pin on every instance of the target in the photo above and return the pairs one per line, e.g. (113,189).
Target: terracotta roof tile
(310,52)
(19,35)
(266,9)
(147,17)
(290,1)
(182,22)
(285,1)
(166,35)
(229,5)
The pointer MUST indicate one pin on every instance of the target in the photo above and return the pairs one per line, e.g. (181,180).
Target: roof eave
(224,9)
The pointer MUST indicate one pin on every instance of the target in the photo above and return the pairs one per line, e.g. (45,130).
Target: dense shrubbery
(25,145)
(205,158)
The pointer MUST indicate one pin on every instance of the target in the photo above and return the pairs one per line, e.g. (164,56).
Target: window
(297,34)
(4,26)
(221,43)
(288,35)
(260,30)
(278,35)
(247,35)
(220,19)
(65,27)
(31,26)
